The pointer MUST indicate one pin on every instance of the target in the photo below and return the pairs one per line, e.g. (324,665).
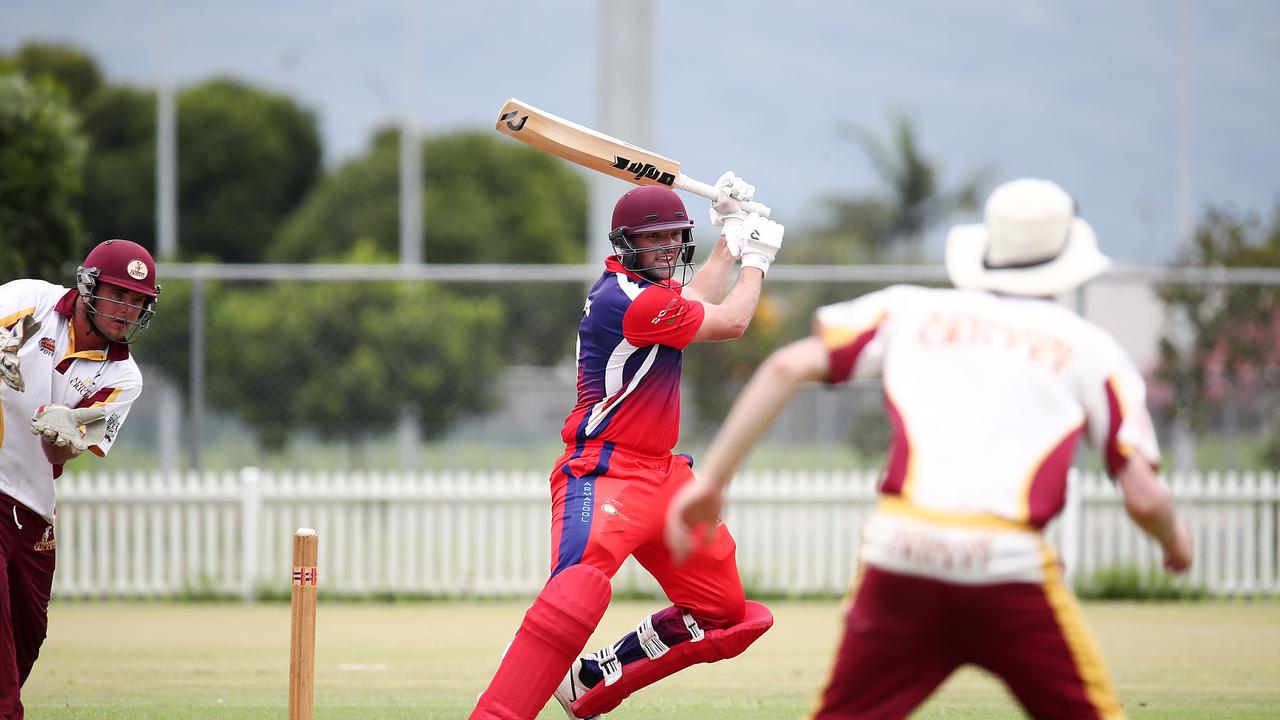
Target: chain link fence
(472,367)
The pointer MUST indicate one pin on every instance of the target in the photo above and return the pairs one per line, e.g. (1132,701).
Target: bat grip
(688,184)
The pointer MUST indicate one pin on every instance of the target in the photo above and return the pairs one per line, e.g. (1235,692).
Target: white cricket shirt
(987,396)
(54,372)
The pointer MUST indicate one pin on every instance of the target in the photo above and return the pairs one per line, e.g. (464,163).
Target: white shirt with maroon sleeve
(987,396)
(53,371)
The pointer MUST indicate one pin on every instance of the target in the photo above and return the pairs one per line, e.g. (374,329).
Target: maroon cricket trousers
(905,635)
(27,556)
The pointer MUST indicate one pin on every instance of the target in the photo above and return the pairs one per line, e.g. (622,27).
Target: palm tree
(913,201)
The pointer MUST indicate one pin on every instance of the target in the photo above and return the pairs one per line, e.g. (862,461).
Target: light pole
(624,92)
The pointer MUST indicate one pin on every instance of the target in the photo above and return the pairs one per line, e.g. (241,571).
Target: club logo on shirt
(668,314)
(609,506)
(82,386)
(46,346)
(47,541)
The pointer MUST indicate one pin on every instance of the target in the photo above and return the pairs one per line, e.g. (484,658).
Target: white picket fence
(484,534)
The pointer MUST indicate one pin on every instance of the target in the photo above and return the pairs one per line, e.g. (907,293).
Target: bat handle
(688,184)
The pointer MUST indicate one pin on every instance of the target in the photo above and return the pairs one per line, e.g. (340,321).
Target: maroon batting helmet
(646,209)
(123,263)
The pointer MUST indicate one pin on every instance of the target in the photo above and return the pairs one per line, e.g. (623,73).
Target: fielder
(68,383)
(611,487)
(988,388)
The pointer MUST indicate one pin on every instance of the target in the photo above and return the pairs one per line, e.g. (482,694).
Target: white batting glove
(733,191)
(10,341)
(726,209)
(61,426)
(761,238)
(736,187)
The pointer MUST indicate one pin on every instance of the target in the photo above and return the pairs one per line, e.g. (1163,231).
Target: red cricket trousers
(607,503)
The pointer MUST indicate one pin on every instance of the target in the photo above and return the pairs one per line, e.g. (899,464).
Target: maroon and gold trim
(844,346)
(114,351)
(66,306)
(1116,453)
(846,606)
(985,521)
(8,321)
(898,470)
(1085,655)
(1046,486)
(102,397)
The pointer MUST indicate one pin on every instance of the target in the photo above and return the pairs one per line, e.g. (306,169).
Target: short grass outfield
(167,661)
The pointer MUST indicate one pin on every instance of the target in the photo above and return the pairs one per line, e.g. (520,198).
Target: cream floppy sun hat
(1029,243)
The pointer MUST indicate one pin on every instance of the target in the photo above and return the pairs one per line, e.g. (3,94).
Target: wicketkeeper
(67,382)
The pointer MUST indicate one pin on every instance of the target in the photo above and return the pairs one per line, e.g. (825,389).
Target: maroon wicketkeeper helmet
(123,263)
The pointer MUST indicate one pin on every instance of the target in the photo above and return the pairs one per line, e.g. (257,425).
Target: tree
(870,227)
(338,359)
(246,159)
(120,174)
(1223,345)
(118,198)
(486,200)
(359,200)
(246,156)
(862,229)
(41,155)
(73,70)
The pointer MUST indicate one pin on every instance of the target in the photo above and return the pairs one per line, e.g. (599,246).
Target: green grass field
(429,660)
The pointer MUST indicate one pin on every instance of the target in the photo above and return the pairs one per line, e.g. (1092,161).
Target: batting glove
(726,209)
(761,238)
(61,426)
(10,372)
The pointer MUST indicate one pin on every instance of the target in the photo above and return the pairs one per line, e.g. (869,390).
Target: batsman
(611,486)
(67,376)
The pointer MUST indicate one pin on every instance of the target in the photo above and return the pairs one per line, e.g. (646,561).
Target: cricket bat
(602,153)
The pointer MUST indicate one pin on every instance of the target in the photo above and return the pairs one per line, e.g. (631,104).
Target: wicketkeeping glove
(10,341)
(761,238)
(62,426)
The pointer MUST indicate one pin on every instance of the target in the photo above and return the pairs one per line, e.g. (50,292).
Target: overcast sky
(1085,93)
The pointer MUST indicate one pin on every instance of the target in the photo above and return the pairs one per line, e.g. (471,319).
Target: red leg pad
(554,631)
(720,644)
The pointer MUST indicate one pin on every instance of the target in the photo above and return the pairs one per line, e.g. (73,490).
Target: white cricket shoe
(571,688)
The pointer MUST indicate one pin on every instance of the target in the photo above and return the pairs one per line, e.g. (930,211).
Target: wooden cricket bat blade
(597,151)
(584,146)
